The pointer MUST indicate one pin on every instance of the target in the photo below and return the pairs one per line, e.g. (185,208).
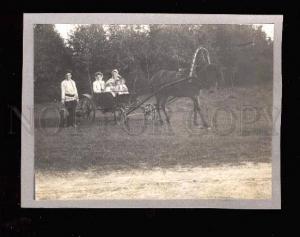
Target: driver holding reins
(115,83)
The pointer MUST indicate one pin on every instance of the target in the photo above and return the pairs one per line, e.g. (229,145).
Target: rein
(154,93)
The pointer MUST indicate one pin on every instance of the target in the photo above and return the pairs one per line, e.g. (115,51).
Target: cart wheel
(87,109)
(195,127)
(134,123)
(50,120)
(224,121)
(119,114)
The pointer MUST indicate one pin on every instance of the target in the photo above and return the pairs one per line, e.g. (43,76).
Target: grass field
(100,160)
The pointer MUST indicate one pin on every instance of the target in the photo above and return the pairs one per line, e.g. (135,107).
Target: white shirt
(122,89)
(68,87)
(98,86)
(110,86)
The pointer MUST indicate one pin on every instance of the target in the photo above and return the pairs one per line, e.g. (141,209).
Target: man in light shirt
(98,85)
(69,97)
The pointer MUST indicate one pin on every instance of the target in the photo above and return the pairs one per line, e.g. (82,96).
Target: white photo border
(27,142)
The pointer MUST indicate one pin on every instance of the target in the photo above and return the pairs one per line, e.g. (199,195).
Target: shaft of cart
(153,94)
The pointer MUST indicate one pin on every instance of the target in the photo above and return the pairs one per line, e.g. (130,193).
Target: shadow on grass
(90,148)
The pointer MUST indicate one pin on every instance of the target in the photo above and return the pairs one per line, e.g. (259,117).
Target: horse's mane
(163,76)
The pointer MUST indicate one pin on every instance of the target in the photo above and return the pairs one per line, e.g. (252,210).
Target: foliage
(51,58)
(138,51)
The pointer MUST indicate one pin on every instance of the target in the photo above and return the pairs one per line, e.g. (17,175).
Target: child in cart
(121,88)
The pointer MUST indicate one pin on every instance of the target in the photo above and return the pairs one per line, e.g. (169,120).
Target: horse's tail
(214,75)
(155,80)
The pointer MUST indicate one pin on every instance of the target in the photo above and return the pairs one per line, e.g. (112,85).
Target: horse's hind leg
(158,109)
(163,106)
(115,118)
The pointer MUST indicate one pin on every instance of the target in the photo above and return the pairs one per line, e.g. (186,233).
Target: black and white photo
(151,110)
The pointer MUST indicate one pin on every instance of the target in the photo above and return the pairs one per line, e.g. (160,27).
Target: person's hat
(98,73)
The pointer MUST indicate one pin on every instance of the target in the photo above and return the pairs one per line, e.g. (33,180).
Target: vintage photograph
(153,111)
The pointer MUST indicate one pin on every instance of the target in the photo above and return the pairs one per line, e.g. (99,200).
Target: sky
(65,29)
(268,29)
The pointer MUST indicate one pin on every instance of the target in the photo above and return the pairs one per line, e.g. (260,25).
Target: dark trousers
(71,107)
(97,97)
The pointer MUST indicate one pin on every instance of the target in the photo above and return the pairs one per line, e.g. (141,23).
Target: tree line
(138,51)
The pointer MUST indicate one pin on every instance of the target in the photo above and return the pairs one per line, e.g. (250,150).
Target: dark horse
(207,77)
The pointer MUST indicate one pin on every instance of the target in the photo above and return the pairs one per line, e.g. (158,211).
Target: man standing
(98,85)
(69,97)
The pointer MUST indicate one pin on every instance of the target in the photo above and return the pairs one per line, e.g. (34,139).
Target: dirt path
(247,181)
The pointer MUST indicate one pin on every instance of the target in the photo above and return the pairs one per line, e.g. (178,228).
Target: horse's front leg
(198,109)
(195,113)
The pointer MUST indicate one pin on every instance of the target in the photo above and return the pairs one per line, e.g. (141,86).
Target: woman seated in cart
(111,83)
(98,85)
(116,84)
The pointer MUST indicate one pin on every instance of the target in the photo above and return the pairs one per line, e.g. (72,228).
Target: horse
(207,77)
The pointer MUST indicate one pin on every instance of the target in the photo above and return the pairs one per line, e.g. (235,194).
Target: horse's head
(209,77)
